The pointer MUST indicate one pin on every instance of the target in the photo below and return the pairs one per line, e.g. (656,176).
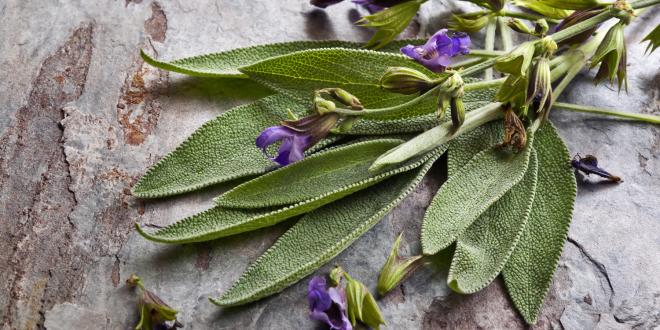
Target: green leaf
(219,221)
(654,40)
(222,149)
(226,64)
(464,147)
(528,273)
(320,236)
(483,249)
(357,71)
(390,22)
(337,172)
(470,192)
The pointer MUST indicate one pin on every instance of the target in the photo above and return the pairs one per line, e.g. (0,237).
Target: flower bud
(342,97)
(541,27)
(457,112)
(405,81)
(548,45)
(515,134)
(323,106)
(396,269)
(362,305)
(154,312)
(468,23)
(518,61)
(611,54)
(519,26)
(336,275)
(539,86)
(453,85)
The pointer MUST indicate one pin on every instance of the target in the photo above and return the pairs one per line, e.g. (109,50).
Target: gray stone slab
(82,117)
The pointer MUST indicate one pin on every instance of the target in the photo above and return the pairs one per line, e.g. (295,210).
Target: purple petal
(292,149)
(317,296)
(271,135)
(437,52)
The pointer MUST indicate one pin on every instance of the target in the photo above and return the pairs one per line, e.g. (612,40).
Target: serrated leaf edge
(521,230)
(333,251)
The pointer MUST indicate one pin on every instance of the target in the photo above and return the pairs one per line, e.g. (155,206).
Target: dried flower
(436,54)
(396,269)
(296,136)
(519,26)
(515,134)
(405,81)
(611,54)
(589,165)
(327,305)
(154,312)
(361,304)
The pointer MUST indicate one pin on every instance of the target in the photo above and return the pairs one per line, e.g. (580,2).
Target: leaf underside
(319,236)
(226,64)
(220,221)
(528,272)
(470,192)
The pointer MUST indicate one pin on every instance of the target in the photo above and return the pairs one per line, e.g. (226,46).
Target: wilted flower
(589,165)
(436,54)
(396,269)
(154,312)
(539,86)
(327,305)
(517,61)
(515,134)
(296,136)
(361,304)
(611,54)
(405,81)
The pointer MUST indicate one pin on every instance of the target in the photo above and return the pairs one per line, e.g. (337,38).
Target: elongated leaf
(466,195)
(220,221)
(357,71)
(483,249)
(222,149)
(341,171)
(226,64)
(318,237)
(464,147)
(528,273)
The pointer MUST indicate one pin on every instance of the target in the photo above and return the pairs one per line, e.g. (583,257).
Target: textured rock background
(82,117)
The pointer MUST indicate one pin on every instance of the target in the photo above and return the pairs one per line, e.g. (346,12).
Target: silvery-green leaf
(320,236)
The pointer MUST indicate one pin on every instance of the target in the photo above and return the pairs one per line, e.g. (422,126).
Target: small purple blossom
(437,52)
(327,305)
(296,136)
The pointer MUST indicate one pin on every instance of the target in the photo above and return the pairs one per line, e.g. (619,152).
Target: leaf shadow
(216,89)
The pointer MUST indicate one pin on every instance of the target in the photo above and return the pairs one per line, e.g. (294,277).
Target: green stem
(581,27)
(437,136)
(486,53)
(601,111)
(527,16)
(644,3)
(490,43)
(505,34)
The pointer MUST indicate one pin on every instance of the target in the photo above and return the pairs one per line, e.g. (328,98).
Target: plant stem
(489,43)
(437,136)
(581,27)
(601,111)
(644,3)
(530,17)
(505,34)
(484,84)
(486,53)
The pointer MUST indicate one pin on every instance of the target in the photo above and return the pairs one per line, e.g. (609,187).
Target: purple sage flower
(296,136)
(437,52)
(327,305)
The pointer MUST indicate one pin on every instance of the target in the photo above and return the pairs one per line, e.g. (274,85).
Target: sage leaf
(220,221)
(338,172)
(320,236)
(483,249)
(528,272)
(356,71)
(222,149)
(470,192)
(226,64)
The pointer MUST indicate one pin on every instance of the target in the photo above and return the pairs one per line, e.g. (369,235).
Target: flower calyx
(362,306)
(396,269)
(404,80)
(611,55)
(154,312)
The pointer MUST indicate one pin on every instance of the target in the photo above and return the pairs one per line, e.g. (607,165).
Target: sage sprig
(349,132)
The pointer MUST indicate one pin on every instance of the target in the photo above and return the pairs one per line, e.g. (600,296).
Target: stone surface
(82,117)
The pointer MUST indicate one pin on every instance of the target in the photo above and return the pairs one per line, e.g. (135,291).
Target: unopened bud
(519,26)
(539,86)
(468,23)
(548,45)
(336,275)
(405,81)
(396,269)
(453,85)
(323,106)
(361,304)
(518,61)
(342,97)
(457,112)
